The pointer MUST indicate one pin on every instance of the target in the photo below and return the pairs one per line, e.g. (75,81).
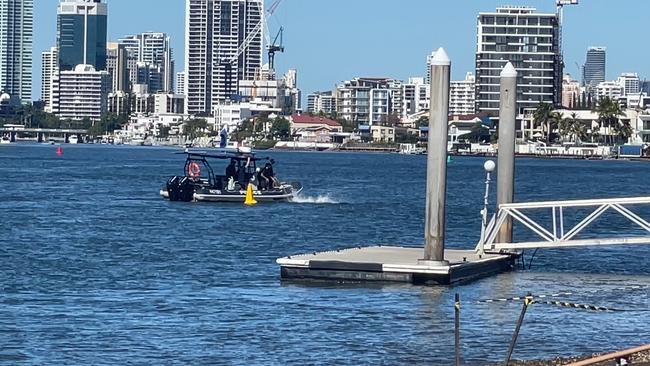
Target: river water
(96,268)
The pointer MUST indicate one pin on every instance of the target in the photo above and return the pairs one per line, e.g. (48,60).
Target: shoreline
(638,359)
(378,150)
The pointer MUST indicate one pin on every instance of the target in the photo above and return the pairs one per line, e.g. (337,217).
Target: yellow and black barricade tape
(578,306)
(519,298)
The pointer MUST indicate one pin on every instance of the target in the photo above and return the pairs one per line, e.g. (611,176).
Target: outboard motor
(180,189)
(185,190)
(173,188)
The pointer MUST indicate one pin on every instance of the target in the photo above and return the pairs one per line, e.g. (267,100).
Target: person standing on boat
(231,170)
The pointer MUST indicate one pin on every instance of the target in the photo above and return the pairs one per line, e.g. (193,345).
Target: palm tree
(565,126)
(554,123)
(608,112)
(623,130)
(578,128)
(542,116)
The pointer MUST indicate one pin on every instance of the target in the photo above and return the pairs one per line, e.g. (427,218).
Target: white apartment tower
(117,66)
(81,93)
(223,45)
(630,83)
(461,96)
(531,41)
(150,51)
(16,42)
(324,102)
(49,67)
(180,83)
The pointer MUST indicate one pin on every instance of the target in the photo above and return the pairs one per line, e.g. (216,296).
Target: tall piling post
(506,159)
(434,226)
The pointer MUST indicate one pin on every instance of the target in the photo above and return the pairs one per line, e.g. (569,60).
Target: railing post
(527,301)
(457,328)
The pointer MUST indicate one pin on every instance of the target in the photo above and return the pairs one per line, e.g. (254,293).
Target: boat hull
(204,194)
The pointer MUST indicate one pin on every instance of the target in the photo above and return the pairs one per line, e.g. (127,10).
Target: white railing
(558,236)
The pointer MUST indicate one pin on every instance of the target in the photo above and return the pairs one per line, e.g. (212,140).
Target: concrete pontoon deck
(393,264)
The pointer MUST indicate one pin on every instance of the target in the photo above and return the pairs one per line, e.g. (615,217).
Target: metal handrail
(611,356)
(558,237)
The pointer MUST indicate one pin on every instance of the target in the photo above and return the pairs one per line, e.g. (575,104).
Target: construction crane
(274,47)
(254,33)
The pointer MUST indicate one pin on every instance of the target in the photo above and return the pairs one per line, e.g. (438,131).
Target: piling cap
(508,71)
(440,58)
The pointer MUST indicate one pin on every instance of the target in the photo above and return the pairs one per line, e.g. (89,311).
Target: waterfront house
(314,128)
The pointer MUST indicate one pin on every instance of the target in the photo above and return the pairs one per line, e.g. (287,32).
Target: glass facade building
(81,34)
(16,42)
(593,72)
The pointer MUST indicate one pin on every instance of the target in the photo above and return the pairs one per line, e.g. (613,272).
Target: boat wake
(320,200)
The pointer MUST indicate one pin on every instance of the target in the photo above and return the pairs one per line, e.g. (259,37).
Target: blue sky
(333,40)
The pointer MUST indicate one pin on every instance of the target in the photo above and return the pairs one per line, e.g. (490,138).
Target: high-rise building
(529,40)
(415,96)
(117,66)
(630,83)
(429,58)
(593,71)
(223,45)
(318,102)
(180,83)
(461,96)
(610,89)
(49,67)
(16,40)
(81,34)
(571,92)
(81,93)
(154,50)
(365,100)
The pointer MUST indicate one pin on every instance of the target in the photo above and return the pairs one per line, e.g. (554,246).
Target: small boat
(5,140)
(200,183)
(73,139)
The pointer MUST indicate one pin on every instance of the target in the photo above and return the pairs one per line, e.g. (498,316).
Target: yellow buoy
(250,200)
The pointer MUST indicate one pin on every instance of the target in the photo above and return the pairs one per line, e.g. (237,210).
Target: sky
(329,41)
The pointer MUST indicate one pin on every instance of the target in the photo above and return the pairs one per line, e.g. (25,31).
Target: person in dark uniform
(269,176)
(231,170)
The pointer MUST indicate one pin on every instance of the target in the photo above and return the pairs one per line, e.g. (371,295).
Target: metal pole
(527,301)
(434,229)
(457,329)
(489,167)
(506,159)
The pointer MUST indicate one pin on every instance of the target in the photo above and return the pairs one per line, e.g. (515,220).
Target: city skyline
(388,41)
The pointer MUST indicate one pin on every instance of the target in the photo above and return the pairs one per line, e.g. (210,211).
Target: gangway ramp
(560,235)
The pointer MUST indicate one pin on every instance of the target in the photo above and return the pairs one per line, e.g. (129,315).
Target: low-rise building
(314,128)
(382,133)
(231,115)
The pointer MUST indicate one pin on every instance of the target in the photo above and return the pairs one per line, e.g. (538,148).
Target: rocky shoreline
(638,359)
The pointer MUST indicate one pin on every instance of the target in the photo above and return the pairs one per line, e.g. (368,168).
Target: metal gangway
(559,235)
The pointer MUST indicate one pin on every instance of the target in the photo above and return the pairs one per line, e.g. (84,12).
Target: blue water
(96,268)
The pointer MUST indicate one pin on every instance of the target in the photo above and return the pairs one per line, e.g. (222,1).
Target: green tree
(107,124)
(195,128)
(478,133)
(542,117)
(422,122)
(163,133)
(608,111)
(280,129)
